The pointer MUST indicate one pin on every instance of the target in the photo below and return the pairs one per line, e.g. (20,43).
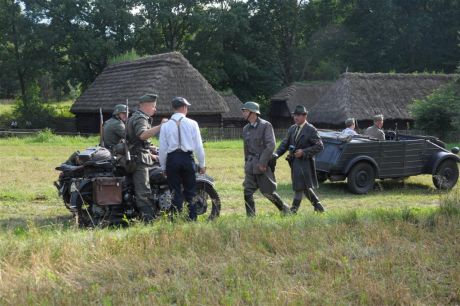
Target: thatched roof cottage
(233,117)
(282,104)
(362,95)
(168,75)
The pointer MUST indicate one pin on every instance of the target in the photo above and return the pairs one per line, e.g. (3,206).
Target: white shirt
(189,135)
(349,131)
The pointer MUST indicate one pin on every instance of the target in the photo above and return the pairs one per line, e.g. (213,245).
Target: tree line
(253,47)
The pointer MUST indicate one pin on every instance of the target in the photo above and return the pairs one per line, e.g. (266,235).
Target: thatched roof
(234,105)
(168,75)
(362,95)
(307,94)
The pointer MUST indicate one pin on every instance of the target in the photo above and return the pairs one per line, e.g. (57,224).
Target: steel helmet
(119,108)
(251,106)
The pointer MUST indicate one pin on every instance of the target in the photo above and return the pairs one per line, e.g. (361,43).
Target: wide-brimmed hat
(300,110)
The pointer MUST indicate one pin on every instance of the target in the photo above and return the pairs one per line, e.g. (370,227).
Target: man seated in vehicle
(376,131)
(350,127)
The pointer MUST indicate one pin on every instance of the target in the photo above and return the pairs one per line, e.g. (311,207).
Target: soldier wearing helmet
(114,128)
(259,144)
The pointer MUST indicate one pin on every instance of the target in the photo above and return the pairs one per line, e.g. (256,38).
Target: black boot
(315,201)
(192,216)
(276,199)
(295,206)
(146,213)
(250,206)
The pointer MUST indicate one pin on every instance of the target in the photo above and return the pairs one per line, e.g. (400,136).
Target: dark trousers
(180,171)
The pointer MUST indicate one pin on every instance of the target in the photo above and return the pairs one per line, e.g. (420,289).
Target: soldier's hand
(202,170)
(262,168)
(155,157)
(164,120)
(298,153)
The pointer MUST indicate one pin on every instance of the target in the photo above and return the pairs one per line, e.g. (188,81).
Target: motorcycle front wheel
(86,213)
(207,201)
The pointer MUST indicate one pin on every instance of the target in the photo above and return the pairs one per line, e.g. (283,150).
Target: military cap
(349,122)
(179,102)
(251,106)
(119,108)
(300,110)
(378,117)
(148,98)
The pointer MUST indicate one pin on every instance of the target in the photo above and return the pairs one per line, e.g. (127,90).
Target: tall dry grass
(397,245)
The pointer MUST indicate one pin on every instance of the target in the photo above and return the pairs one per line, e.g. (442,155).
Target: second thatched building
(363,95)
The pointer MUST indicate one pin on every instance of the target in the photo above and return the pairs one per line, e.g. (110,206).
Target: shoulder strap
(178,130)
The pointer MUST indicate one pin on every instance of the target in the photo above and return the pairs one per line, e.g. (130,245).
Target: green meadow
(399,244)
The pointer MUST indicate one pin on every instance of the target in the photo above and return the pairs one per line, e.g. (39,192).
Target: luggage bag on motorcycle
(107,190)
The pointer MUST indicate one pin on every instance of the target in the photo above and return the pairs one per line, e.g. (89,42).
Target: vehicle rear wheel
(361,178)
(322,176)
(207,200)
(446,176)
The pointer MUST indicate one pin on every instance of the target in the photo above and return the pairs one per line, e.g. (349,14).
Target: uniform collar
(256,123)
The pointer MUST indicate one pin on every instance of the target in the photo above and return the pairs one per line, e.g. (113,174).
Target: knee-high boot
(295,206)
(249,205)
(276,199)
(314,200)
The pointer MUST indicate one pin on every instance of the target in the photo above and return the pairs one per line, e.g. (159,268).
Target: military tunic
(375,132)
(259,144)
(140,153)
(114,131)
(303,170)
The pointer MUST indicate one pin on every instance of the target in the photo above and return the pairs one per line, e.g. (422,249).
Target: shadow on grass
(60,222)
(383,187)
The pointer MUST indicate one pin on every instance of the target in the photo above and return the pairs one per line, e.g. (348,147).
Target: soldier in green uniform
(376,131)
(114,128)
(139,130)
(259,144)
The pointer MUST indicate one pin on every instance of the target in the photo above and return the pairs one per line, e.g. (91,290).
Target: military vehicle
(360,160)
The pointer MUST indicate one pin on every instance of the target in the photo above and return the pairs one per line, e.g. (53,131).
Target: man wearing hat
(114,128)
(259,144)
(350,127)
(303,143)
(376,131)
(179,138)
(139,131)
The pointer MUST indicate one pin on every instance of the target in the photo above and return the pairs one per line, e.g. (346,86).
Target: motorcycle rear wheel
(84,214)
(207,201)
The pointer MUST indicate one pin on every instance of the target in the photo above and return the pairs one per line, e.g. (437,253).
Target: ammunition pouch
(107,190)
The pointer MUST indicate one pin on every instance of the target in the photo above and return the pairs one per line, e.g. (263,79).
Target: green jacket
(114,131)
(139,149)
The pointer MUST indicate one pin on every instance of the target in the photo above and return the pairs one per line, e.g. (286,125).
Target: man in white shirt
(179,138)
(350,127)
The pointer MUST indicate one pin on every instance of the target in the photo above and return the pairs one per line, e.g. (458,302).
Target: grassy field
(394,245)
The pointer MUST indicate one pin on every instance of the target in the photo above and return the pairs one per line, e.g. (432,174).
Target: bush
(29,111)
(439,113)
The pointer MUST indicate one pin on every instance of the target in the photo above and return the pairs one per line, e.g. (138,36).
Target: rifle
(127,154)
(101,129)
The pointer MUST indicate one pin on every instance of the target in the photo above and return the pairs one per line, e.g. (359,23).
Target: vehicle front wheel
(322,176)
(207,201)
(446,175)
(361,177)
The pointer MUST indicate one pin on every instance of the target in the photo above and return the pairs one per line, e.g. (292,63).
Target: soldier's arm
(284,145)
(269,141)
(316,145)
